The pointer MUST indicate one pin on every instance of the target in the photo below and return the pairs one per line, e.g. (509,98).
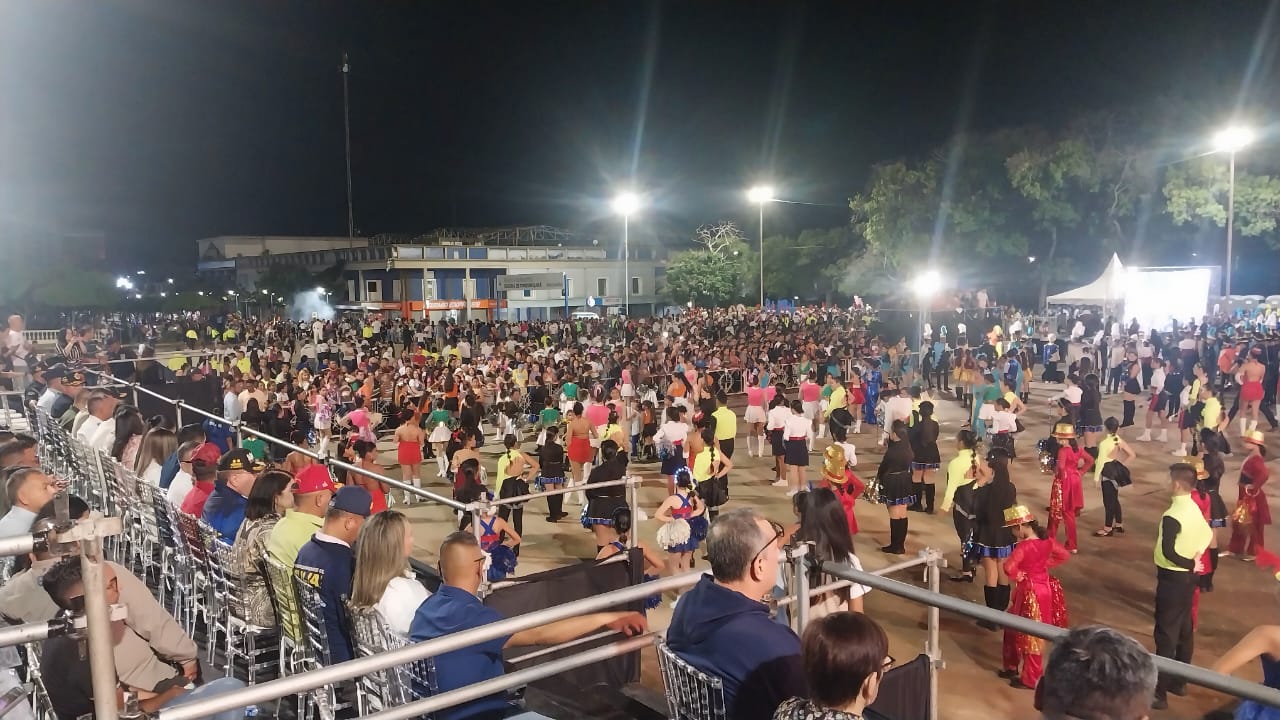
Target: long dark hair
(262,496)
(128,423)
(823,522)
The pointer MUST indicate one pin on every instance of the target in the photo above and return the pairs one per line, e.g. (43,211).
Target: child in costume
(837,476)
(1037,595)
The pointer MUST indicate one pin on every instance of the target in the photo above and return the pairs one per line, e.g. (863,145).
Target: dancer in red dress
(1252,514)
(837,476)
(1066,497)
(1037,595)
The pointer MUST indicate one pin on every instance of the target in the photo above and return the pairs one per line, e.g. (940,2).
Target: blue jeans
(221,686)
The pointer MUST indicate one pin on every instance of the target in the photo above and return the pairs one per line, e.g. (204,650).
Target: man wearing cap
(204,473)
(328,562)
(1183,537)
(314,488)
(61,384)
(224,510)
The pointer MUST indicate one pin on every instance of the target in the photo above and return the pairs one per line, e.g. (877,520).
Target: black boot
(897,537)
(1002,597)
(929,494)
(918,490)
(989,593)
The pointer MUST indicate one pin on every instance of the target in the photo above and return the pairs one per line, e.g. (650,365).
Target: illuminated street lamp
(925,286)
(624,204)
(761,194)
(1231,140)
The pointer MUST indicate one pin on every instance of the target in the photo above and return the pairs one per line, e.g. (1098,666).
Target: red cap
(206,454)
(314,478)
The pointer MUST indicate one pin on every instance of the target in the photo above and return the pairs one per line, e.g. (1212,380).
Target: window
(635,286)
(602,286)
(528,294)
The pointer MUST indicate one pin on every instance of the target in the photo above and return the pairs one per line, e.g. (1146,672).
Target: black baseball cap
(240,459)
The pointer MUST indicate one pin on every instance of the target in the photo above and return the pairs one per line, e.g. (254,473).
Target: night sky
(158,122)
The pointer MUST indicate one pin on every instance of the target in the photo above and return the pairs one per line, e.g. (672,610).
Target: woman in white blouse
(382,579)
(157,445)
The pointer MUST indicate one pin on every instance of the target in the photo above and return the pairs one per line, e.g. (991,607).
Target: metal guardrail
(937,601)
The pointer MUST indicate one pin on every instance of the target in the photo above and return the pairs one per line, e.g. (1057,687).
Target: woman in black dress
(926,460)
(994,542)
(1091,414)
(896,492)
(597,514)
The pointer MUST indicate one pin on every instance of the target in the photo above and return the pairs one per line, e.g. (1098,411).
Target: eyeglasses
(778,532)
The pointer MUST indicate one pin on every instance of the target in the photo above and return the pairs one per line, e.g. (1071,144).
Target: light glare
(760,194)
(626,203)
(926,284)
(1232,139)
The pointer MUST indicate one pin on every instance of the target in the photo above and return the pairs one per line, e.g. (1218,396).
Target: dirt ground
(1111,581)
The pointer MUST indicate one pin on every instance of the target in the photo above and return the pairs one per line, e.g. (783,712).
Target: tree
(80,289)
(715,275)
(810,265)
(1196,191)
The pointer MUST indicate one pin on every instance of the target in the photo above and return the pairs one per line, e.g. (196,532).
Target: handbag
(711,493)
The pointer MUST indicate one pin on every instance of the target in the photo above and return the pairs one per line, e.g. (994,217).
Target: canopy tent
(1108,289)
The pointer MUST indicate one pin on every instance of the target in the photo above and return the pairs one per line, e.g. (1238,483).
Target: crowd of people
(598,399)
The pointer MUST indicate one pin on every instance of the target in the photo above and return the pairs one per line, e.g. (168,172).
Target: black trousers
(1111,503)
(1173,633)
(1130,407)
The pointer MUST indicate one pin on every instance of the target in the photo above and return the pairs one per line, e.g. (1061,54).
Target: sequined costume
(1037,595)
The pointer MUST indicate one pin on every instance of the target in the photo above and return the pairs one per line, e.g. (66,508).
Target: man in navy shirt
(172,465)
(722,628)
(328,555)
(455,607)
(224,510)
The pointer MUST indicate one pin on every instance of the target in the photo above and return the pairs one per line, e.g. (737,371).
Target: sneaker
(1144,437)
(792,493)
(780,483)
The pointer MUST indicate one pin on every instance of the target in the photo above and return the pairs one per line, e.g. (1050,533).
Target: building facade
(453,274)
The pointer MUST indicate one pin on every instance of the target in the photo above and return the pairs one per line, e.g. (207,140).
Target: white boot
(1253,425)
(1164,435)
(1181,451)
(1244,426)
(750,450)
(760,446)
(408,498)
(822,430)
(1144,437)
(443,464)
(857,426)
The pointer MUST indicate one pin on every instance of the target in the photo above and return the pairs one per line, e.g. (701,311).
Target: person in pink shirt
(597,413)
(754,417)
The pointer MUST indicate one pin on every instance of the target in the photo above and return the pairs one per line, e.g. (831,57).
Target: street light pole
(346,134)
(762,255)
(626,265)
(1231,211)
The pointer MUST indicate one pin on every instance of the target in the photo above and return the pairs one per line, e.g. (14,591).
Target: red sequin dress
(1036,596)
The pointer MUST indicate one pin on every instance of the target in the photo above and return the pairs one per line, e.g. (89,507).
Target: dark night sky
(158,122)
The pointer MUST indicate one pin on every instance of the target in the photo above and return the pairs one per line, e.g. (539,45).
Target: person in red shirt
(204,471)
(1066,495)
(1252,513)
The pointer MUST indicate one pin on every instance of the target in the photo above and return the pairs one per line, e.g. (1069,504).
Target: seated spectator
(101,408)
(27,490)
(181,484)
(329,552)
(382,579)
(722,628)
(63,658)
(158,444)
(224,510)
(271,497)
(315,488)
(1096,672)
(22,599)
(20,450)
(845,656)
(204,471)
(172,466)
(455,607)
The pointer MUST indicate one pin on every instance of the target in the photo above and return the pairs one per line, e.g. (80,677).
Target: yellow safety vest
(1192,540)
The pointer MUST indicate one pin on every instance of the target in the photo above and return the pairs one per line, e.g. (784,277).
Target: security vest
(1192,540)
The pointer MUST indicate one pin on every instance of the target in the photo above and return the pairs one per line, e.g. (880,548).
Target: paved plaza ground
(1111,581)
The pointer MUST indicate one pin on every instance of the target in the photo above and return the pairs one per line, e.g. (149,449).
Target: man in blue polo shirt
(224,510)
(455,607)
(329,554)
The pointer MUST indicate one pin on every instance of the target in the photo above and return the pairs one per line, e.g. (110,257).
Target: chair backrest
(285,600)
(691,693)
(189,527)
(411,681)
(367,638)
(166,529)
(226,585)
(311,606)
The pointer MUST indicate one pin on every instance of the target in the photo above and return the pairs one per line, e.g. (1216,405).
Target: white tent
(1108,289)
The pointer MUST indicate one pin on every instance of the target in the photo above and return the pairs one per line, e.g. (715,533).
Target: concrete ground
(1111,581)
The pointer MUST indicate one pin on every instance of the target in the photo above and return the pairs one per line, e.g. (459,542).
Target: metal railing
(937,601)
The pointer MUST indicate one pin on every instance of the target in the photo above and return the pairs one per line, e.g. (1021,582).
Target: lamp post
(1231,140)
(625,203)
(761,194)
(925,286)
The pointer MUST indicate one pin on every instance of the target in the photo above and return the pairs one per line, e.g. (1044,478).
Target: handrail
(453,698)
(302,682)
(239,428)
(923,559)
(1191,673)
(627,481)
